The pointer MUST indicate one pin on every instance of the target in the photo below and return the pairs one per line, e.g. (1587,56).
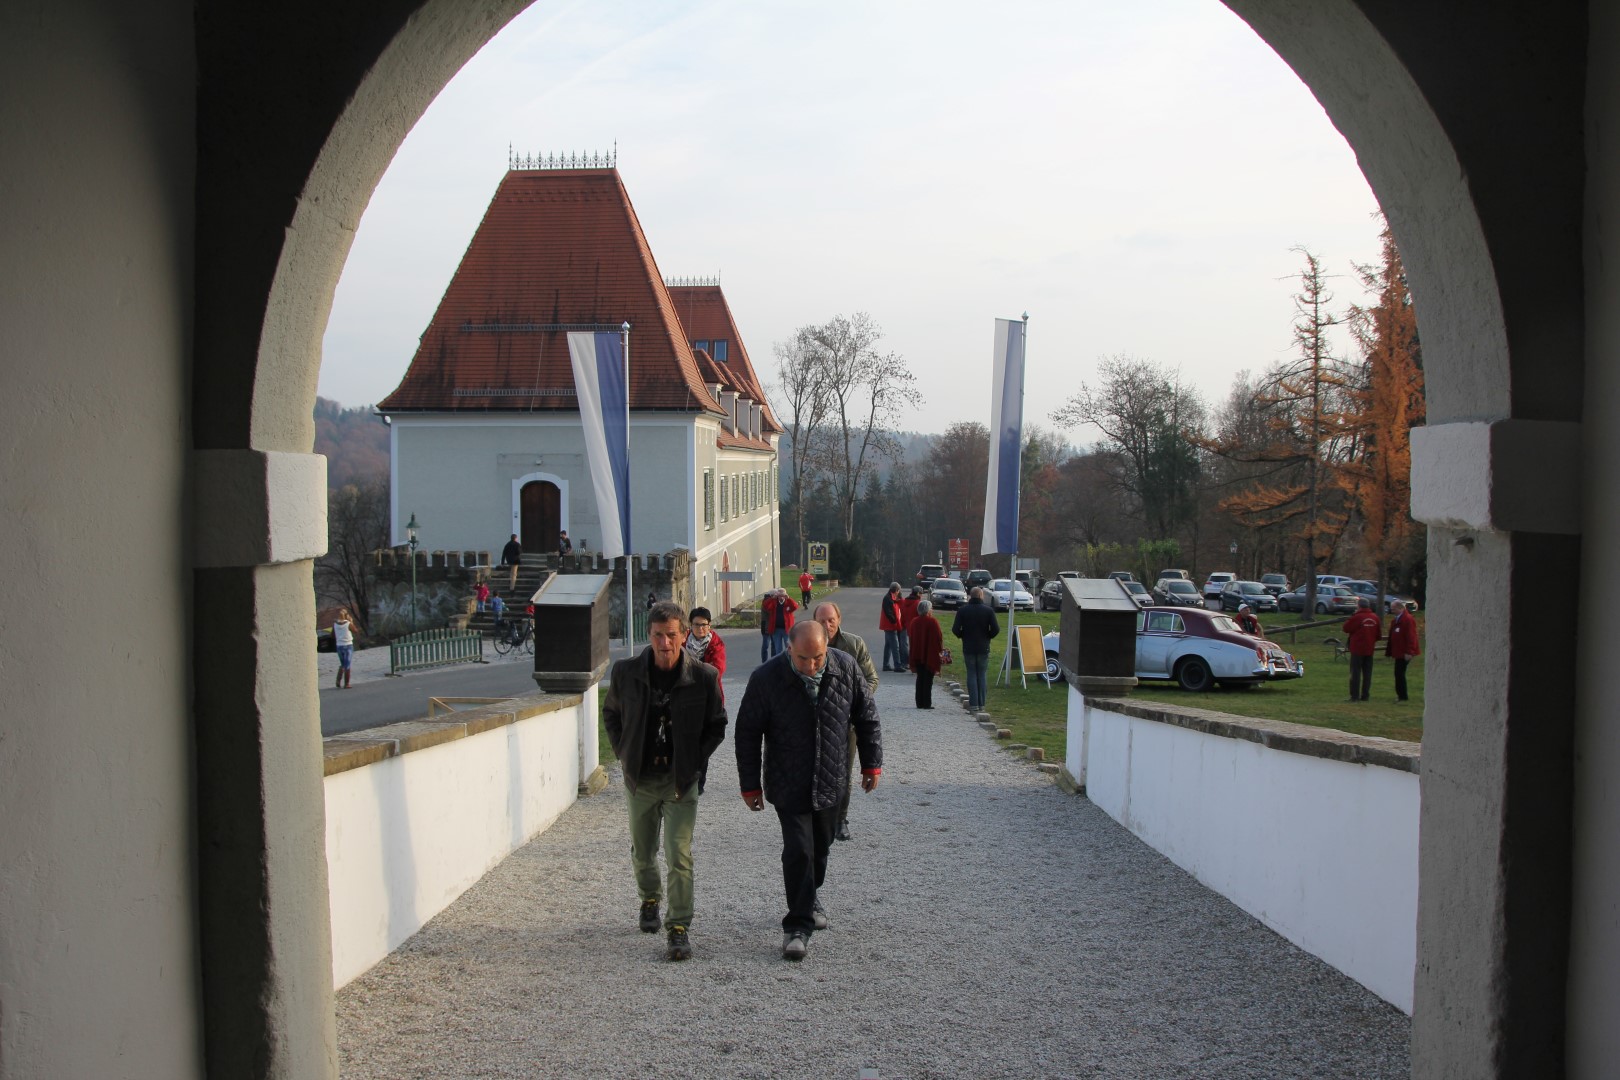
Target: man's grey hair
(1363,602)
(828,603)
(976,593)
(924,607)
(893,585)
(667,611)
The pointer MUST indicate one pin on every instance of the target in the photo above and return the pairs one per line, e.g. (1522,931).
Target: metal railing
(432,648)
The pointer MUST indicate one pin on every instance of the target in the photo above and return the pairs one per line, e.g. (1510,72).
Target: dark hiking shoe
(795,945)
(818,915)
(649,917)
(843,831)
(679,947)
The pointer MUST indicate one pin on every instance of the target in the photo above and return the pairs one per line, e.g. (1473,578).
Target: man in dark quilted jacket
(798,709)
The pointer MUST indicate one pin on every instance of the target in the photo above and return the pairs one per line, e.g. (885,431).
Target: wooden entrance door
(541,505)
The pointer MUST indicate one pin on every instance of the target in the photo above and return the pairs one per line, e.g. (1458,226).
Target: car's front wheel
(1193,674)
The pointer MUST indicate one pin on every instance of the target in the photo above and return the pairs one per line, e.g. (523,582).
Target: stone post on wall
(1097,648)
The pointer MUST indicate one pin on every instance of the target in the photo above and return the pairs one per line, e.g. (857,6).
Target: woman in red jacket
(908,615)
(704,645)
(926,643)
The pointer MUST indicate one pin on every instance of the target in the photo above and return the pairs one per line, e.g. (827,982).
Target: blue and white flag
(1006,440)
(604,409)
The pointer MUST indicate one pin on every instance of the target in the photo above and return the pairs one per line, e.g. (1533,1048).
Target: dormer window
(701,346)
(719,351)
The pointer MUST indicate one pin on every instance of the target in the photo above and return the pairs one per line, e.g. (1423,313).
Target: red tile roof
(704,313)
(556,248)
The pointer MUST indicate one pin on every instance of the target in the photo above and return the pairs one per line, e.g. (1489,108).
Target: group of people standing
(807,714)
(1364,630)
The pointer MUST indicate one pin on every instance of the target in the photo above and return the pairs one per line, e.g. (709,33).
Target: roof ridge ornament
(596,159)
(691,282)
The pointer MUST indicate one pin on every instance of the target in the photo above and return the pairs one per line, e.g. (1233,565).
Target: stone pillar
(263,907)
(1502,504)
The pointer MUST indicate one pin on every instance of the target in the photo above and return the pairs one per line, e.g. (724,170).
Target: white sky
(1131,175)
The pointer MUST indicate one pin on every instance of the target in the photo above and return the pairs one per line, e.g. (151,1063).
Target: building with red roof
(486,438)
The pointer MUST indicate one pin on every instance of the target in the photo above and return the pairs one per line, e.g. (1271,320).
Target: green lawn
(1039,717)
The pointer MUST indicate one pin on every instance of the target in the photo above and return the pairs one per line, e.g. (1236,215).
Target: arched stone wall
(1443,132)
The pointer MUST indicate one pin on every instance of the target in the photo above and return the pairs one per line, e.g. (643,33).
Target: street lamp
(410,534)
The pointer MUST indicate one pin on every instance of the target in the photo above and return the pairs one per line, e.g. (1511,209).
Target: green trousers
(655,802)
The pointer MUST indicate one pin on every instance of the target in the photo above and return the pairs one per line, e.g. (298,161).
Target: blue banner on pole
(604,410)
(1006,440)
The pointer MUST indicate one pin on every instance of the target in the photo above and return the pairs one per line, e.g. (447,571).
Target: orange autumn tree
(1387,404)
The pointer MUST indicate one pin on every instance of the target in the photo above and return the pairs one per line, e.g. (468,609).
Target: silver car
(1006,593)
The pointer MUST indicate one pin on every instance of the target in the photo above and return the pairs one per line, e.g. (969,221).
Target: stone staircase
(532,573)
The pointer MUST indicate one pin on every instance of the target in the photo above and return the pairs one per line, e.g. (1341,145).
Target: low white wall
(1320,849)
(407,834)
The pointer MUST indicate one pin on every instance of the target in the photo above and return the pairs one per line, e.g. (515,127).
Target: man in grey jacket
(664,716)
(831,617)
(799,707)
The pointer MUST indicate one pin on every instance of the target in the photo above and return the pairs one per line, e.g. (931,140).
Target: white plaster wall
(1324,852)
(409,834)
(455,474)
(98,963)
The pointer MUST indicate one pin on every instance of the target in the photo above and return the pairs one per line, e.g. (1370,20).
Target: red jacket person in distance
(1363,629)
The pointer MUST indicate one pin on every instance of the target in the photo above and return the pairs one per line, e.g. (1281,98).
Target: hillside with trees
(355,442)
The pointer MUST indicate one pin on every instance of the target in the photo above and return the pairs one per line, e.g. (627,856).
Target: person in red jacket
(704,645)
(1364,629)
(908,615)
(1402,645)
(926,643)
(892,620)
(776,619)
(806,583)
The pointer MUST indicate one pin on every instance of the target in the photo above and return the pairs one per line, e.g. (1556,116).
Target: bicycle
(514,634)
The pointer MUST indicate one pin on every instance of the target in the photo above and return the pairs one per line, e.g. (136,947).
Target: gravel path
(984,924)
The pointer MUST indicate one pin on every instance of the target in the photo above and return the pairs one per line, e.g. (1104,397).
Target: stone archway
(1441,145)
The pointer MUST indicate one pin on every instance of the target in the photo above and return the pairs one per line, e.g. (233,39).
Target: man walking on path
(831,618)
(564,545)
(664,716)
(799,708)
(975,625)
(1364,629)
(806,584)
(775,620)
(891,620)
(1402,645)
(512,556)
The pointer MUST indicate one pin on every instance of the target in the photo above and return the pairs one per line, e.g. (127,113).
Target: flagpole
(629,559)
(1012,567)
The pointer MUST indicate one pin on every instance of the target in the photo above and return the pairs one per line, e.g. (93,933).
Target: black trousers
(925,688)
(1360,677)
(1400,677)
(806,839)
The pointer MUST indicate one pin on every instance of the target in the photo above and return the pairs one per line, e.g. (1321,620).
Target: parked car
(1026,578)
(978,579)
(1215,583)
(1331,579)
(1177,591)
(1197,649)
(947,593)
(1139,593)
(1238,593)
(1276,584)
(1007,594)
(1121,575)
(1182,574)
(1050,598)
(1392,602)
(1330,599)
(927,572)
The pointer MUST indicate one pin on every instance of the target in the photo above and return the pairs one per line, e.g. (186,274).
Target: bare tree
(867,391)
(357,526)
(1145,416)
(802,386)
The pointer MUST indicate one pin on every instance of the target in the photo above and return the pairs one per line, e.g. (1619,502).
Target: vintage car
(1005,593)
(947,593)
(1197,649)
